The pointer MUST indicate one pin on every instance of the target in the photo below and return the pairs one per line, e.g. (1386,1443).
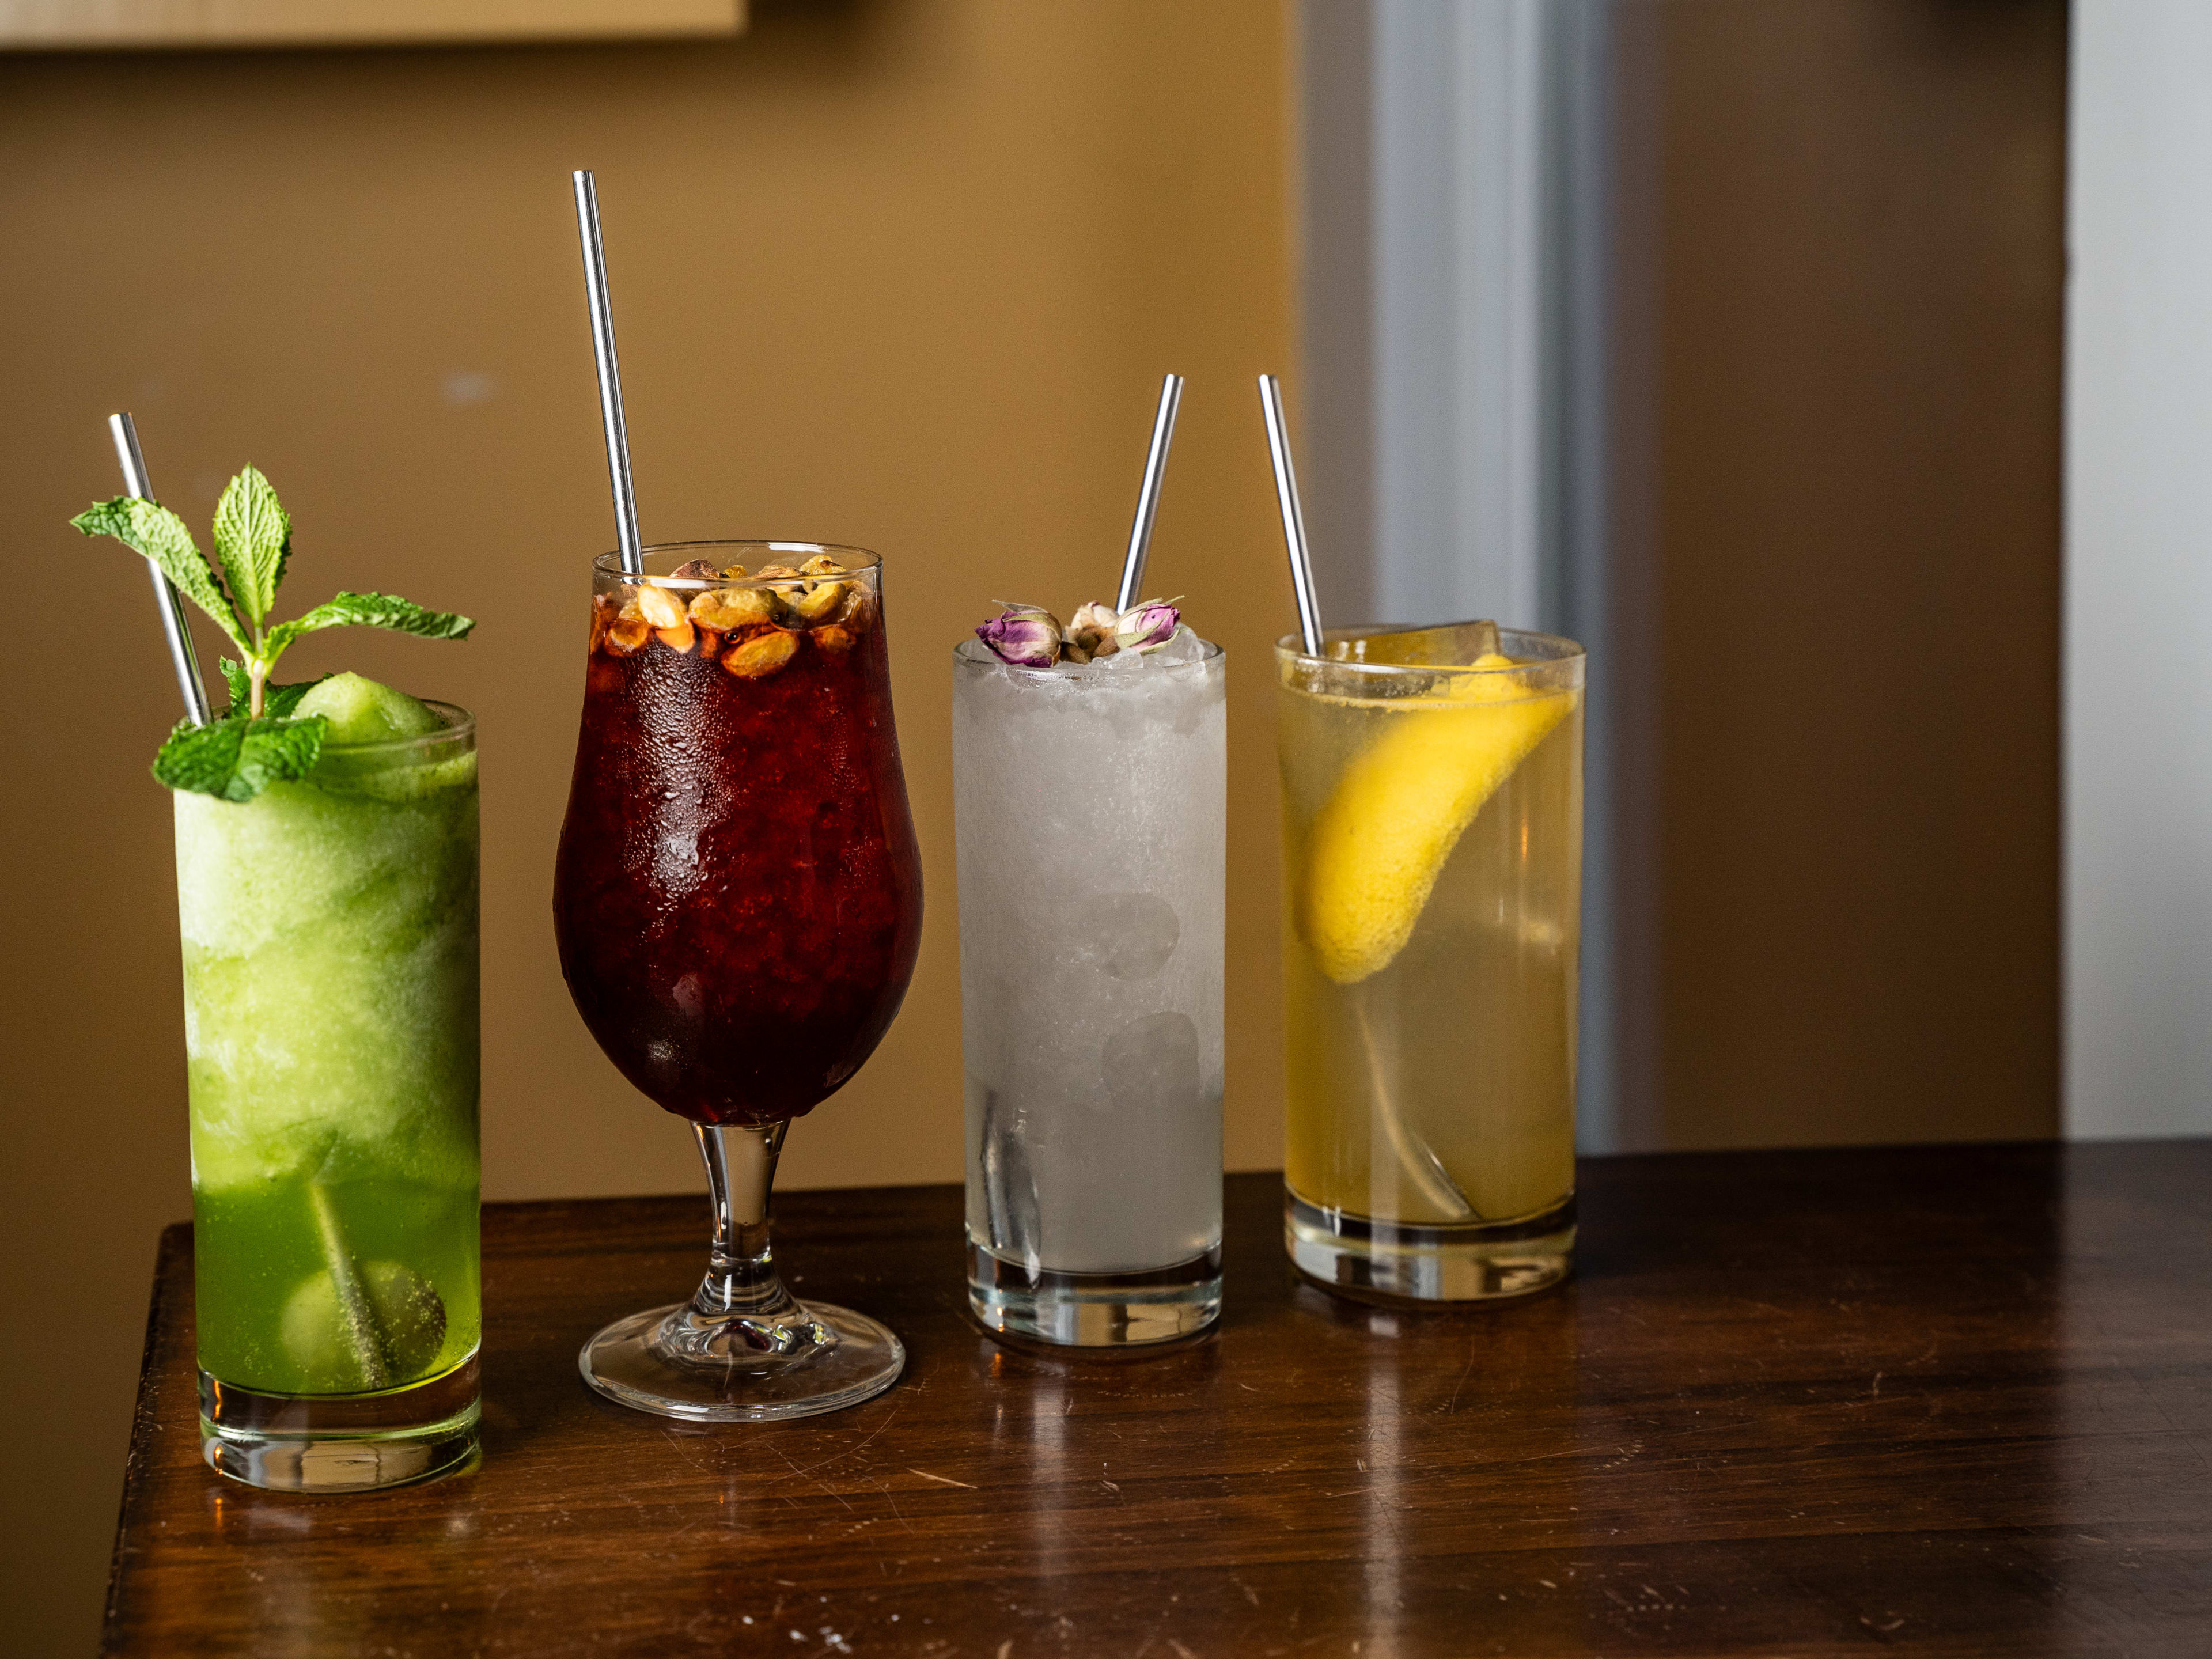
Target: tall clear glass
(1432,869)
(737,904)
(1089,806)
(330,1026)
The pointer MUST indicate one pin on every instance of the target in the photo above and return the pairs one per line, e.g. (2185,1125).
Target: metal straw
(1148,494)
(603,352)
(168,602)
(1294,521)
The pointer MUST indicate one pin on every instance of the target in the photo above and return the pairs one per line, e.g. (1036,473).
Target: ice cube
(1184,647)
(1010,1190)
(1126,936)
(1150,1069)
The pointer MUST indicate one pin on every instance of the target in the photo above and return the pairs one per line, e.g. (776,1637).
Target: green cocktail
(331,1008)
(327,886)
(330,935)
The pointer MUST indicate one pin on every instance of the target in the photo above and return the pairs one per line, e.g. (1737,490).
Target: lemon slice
(1402,806)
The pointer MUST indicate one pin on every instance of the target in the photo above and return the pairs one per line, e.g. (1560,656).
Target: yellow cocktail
(1432,859)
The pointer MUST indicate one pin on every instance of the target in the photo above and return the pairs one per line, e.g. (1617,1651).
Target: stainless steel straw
(603,352)
(1148,494)
(168,602)
(1294,521)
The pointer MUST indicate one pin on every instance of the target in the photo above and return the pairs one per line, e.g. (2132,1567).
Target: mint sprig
(277,701)
(257,742)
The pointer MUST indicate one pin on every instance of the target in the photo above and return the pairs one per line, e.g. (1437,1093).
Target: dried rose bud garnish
(1093,629)
(1030,637)
(1148,623)
(1027,636)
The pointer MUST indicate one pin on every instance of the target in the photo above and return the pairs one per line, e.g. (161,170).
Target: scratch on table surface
(1468,1371)
(885,1489)
(1179,1648)
(942,1479)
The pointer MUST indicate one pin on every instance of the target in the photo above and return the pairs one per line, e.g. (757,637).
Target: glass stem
(741,1279)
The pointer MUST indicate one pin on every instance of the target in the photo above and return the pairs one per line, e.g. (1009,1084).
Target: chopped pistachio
(732,608)
(819,602)
(659,607)
(759,655)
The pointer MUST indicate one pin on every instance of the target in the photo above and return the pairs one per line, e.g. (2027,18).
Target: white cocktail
(1091,801)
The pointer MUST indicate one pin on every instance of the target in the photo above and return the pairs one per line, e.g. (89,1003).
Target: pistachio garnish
(857,613)
(769,572)
(627,634)
(819,602)
(732,608)
(695,570)
(835,638)
(733,571)
(821,565)
(759,655)
(659,607)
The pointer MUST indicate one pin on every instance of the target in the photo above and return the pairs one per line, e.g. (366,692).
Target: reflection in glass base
(1400,1261)
(340,1443)
(1094,1310)
(676,1362)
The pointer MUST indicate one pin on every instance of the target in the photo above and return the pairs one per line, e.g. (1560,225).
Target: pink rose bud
(1144,626)
(1027,634)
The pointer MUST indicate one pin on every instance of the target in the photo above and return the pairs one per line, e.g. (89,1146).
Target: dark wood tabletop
(1938,1400)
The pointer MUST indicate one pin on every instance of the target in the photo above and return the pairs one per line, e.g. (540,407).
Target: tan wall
(898,274)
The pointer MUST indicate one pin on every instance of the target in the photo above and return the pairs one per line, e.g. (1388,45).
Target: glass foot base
(1398,1262)
(340,1443)
(1094,1310)
(671,1362)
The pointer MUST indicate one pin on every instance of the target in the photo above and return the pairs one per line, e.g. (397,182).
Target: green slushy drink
(331,1008)
(326,883)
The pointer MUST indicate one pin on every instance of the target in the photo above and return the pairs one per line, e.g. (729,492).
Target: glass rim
(460,723)
(855,560)
(990,659)
(1292,648)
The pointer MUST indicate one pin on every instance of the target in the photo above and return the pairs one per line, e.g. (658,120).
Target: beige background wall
(899,274)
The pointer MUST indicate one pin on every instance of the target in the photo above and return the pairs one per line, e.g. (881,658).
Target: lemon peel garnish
(1401,807)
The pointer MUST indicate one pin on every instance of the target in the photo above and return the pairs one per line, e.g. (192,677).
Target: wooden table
(1948,1401)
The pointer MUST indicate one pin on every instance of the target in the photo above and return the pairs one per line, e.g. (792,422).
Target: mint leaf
(234,759)
(160,535)
(253,535)
(277,701)
(371,611)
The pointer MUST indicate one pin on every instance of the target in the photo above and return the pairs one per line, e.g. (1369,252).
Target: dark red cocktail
(739,897)
(736,902)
